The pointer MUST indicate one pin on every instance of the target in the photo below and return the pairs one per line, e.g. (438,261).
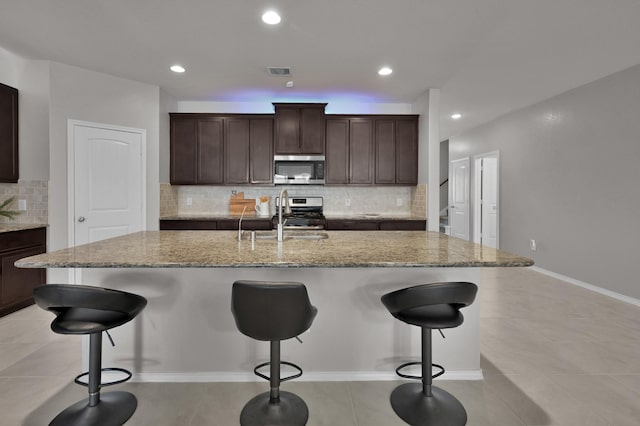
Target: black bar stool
(91,310)
(273,311)
(428,306)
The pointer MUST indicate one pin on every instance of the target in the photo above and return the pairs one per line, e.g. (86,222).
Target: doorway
(486,210)
(459,208)
(106,181)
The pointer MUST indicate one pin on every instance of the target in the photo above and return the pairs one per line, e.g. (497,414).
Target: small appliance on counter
(306,213)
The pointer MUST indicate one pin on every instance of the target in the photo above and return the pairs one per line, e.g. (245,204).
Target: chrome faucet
(284,195)
(240,231)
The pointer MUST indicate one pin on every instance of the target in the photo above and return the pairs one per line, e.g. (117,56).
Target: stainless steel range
(306,213)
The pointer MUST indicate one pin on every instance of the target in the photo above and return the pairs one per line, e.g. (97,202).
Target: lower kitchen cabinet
(376,225)
(351,225)
(220,224)
(17,284)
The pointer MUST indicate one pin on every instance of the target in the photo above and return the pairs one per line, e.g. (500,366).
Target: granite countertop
(11,227)
(343,249)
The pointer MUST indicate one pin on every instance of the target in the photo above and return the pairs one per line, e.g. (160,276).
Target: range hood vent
(279,71)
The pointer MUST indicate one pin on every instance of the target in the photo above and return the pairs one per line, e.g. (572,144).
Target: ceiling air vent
(279,71)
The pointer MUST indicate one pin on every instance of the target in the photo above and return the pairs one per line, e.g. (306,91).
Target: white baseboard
(588,286)
(332,376)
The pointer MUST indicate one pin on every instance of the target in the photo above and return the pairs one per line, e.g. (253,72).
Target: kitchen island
(187,332)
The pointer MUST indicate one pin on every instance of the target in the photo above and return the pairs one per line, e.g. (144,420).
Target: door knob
(81,219)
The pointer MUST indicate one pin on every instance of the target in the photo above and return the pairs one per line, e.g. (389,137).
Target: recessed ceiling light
(456,116)
(270,17)
(177,68)
(385,71)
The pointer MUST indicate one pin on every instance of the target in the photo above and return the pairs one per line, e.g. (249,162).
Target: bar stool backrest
(271,311)
(82,303)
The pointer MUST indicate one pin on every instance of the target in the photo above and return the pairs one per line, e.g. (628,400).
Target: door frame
(477,190)
(451,189)
(71,124)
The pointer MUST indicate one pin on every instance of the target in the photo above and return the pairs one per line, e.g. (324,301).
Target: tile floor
(552,354)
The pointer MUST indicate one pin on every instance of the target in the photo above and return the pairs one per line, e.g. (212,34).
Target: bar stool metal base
(114,409)
(415,408)
(291,410)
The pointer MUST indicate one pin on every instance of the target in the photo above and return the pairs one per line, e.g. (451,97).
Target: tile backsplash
(347,200)
(36,195)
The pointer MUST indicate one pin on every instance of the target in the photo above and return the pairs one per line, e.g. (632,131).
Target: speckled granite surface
(183,249)
(10,227)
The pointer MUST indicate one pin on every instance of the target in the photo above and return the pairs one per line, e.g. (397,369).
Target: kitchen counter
(343,249)
(11,227)
(252,215)
(187,332)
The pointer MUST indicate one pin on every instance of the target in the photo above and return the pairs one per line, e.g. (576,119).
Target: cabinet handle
(81,219)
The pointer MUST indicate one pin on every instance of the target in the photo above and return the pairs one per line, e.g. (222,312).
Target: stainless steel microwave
(298,169)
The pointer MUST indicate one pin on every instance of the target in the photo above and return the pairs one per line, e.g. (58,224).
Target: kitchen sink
(288,235)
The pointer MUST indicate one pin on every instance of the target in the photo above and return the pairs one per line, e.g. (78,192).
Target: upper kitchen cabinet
(396,150)
(299,129)
(197,150)
(8,134)
(349,150)
(248,146)
(215,149)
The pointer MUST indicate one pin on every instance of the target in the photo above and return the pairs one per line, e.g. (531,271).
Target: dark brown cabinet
(396,146)
(197,150)
(351,225)
(349,151)
(299,129)
(214,224)
(16,284)
(376,224)
(213,149)
(8,134)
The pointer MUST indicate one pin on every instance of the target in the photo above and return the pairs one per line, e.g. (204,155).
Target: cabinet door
(210,157)
(261,150)
(287,121)
(351,225)
(8,134)
(337,154)
(237,151)
(17,284)
(184,140)
(361,151)
(403,225)
(385,142)
(406,136)
(312,124)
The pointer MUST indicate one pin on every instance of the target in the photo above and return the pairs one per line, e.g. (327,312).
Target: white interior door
(459,186)
(489,201)
(107,181)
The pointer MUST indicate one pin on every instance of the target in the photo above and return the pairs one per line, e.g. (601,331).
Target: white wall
(85,95)
(569,180)
(31,78)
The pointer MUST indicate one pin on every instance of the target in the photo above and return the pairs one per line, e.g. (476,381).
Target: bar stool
(428,306)
(273,311)
(91,310)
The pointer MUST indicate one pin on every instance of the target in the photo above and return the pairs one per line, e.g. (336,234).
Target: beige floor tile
(538,400)
(12,353)
(51,360)
(34,401)
(329,402)
(371,403)
(605,395)
(222,403)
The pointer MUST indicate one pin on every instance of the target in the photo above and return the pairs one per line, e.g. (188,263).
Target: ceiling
(488,57)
